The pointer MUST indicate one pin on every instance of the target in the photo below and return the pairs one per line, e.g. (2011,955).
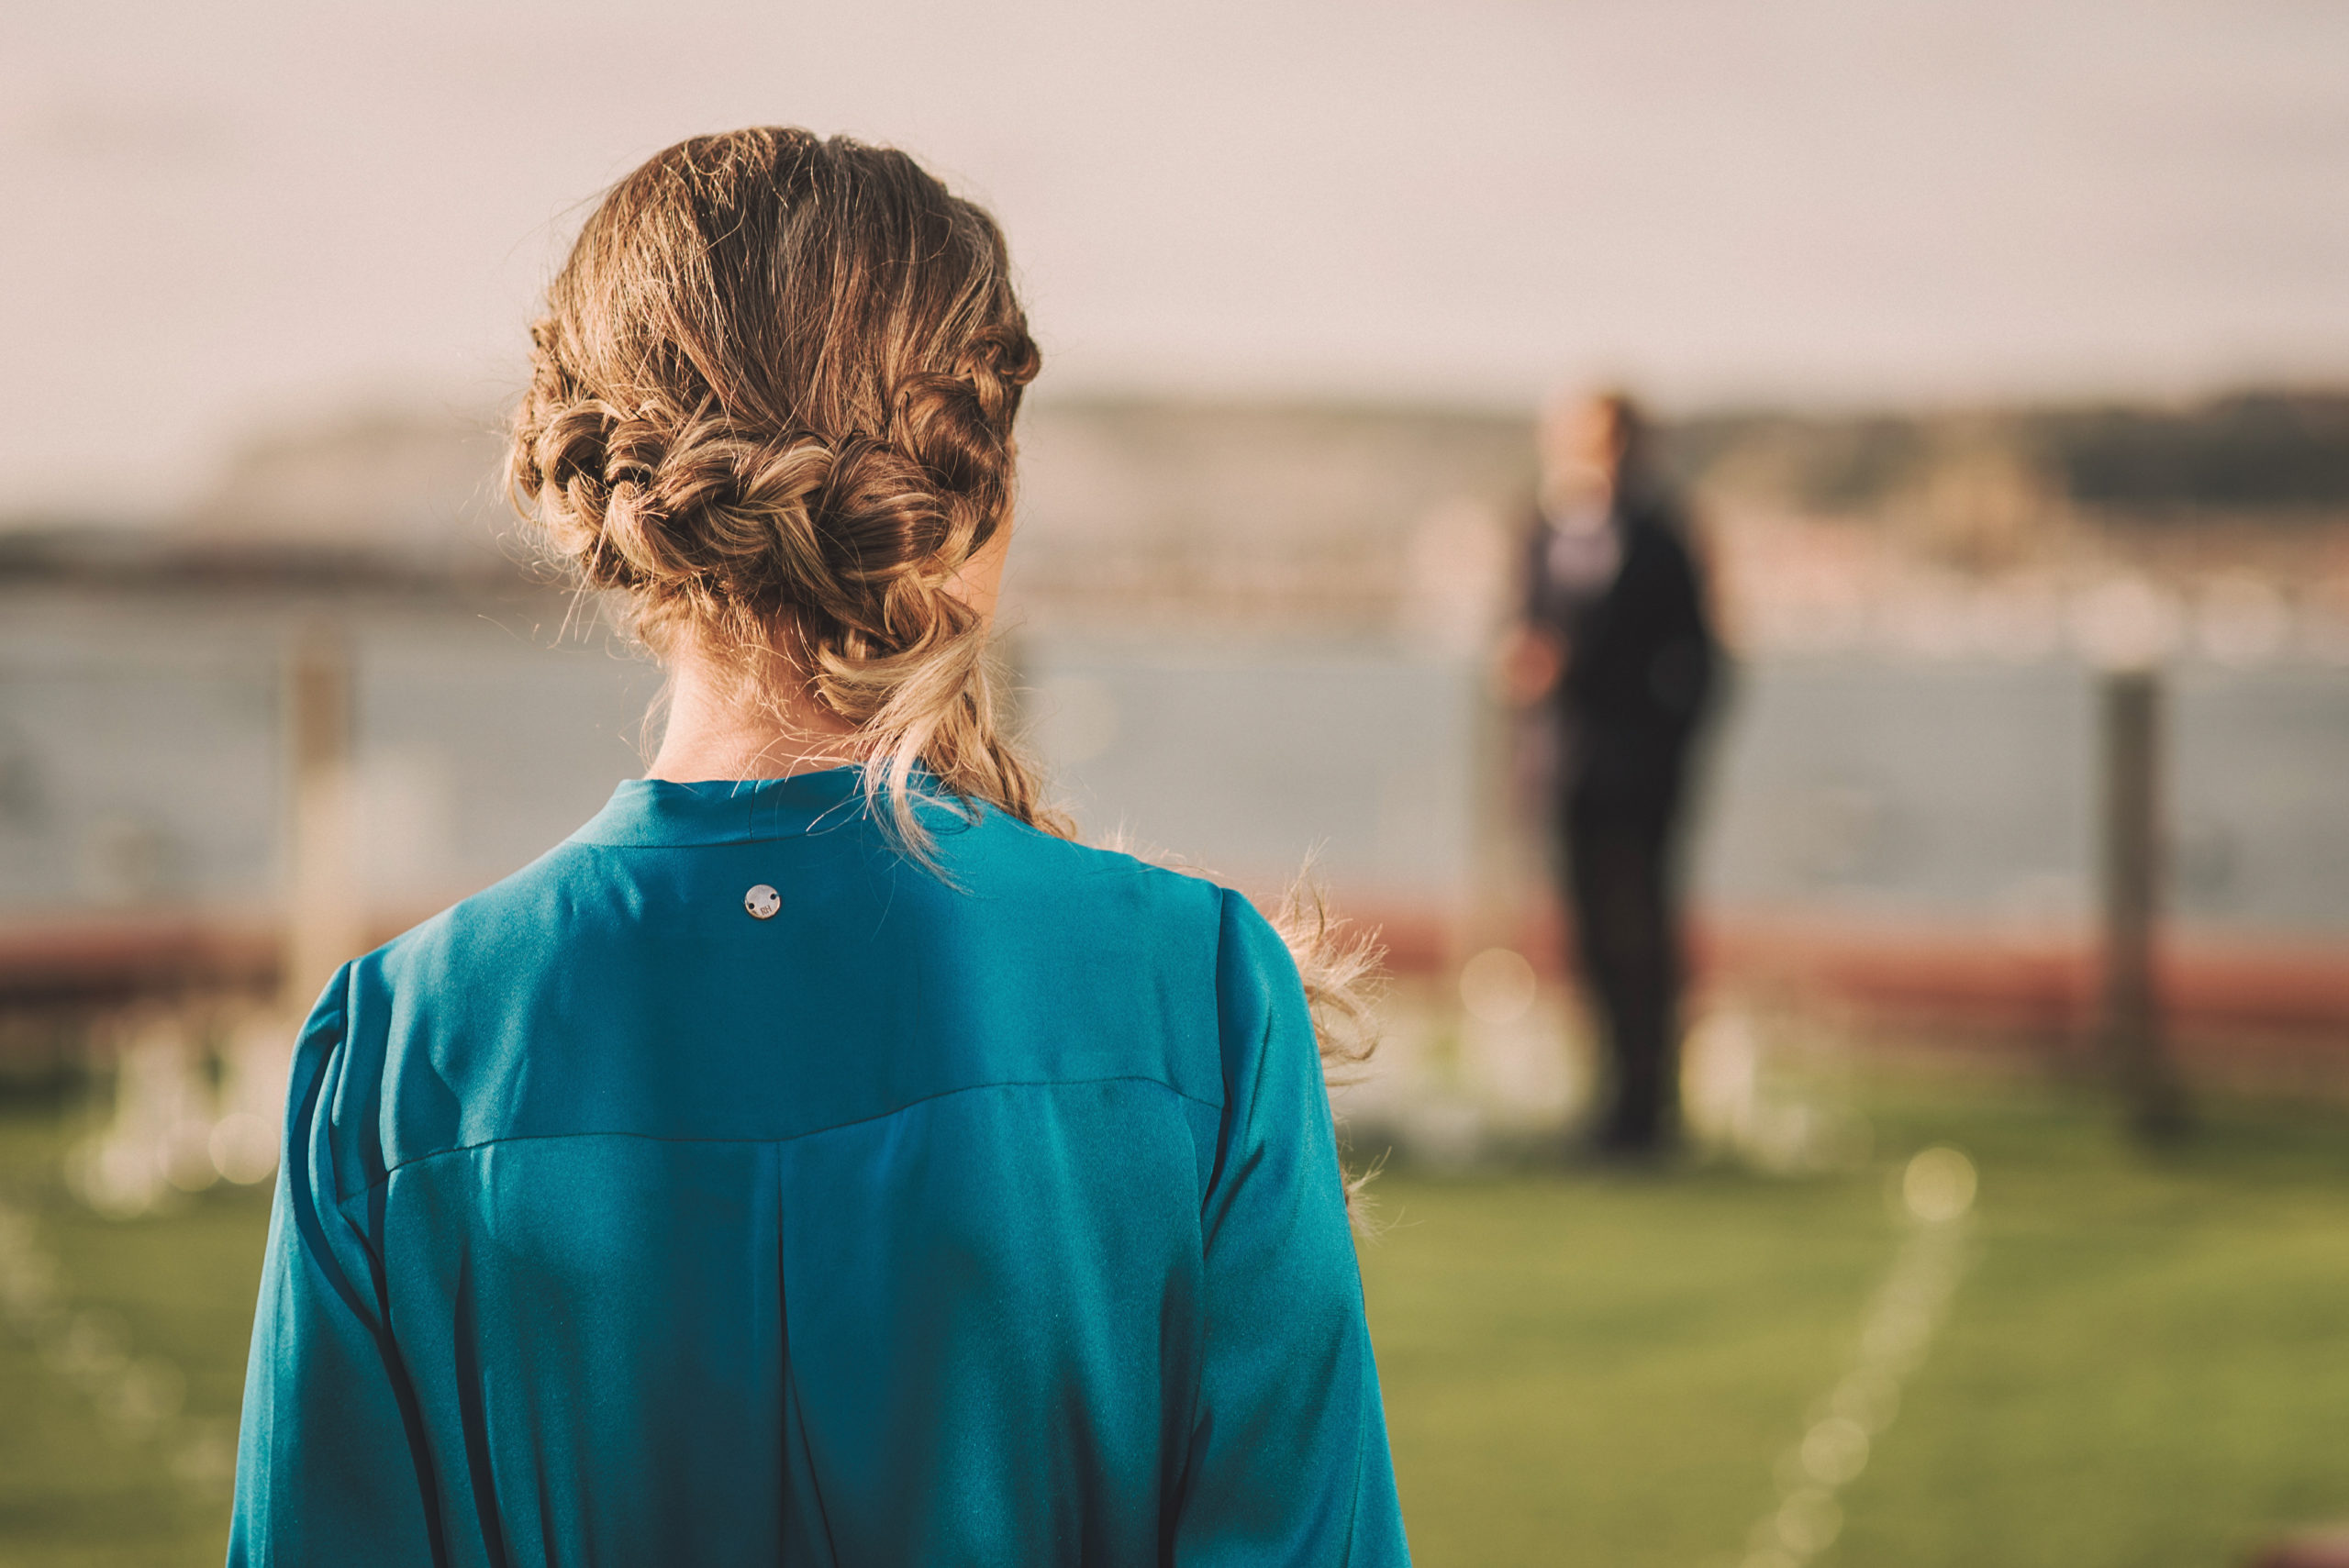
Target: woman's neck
(723,725)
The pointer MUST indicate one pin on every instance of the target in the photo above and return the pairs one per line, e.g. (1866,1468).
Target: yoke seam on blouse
(787,1138)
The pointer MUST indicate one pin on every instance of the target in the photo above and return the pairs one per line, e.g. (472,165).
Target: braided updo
(771,407)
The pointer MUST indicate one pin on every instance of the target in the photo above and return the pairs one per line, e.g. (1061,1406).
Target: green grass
(2151,1364)
(1602,1373)
(2147,1364)
(80,1487)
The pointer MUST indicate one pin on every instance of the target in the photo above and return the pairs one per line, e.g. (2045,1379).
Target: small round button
(762,902)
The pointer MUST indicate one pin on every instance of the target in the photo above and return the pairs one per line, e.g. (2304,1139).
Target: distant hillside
(1366,516)
(2257,451)
(2271,455)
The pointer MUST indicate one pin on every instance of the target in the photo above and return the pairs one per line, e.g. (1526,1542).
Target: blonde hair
(771,407)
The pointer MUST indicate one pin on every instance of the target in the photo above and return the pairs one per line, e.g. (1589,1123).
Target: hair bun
(772,405)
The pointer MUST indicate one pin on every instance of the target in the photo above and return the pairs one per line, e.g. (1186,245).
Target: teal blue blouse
(989,1214)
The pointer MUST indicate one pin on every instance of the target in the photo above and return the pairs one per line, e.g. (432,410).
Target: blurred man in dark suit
(1616,655)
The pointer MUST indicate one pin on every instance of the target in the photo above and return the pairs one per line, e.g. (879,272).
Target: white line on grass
(1937,1196)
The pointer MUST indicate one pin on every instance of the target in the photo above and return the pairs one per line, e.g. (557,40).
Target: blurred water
(1248,759)
(140,763)
(1840,784)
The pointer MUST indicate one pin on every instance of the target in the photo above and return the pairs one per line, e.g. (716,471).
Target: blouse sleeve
(1289,1460)
(326,1472)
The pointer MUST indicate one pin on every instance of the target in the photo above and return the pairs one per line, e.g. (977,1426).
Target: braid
(794,460)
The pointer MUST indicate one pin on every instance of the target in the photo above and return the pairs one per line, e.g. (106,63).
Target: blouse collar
(656,812)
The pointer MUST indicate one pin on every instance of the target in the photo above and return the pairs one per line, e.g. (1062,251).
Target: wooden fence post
(2149,1092)
(325,907)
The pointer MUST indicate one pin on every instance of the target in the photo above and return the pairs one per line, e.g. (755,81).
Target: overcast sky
(218,216)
